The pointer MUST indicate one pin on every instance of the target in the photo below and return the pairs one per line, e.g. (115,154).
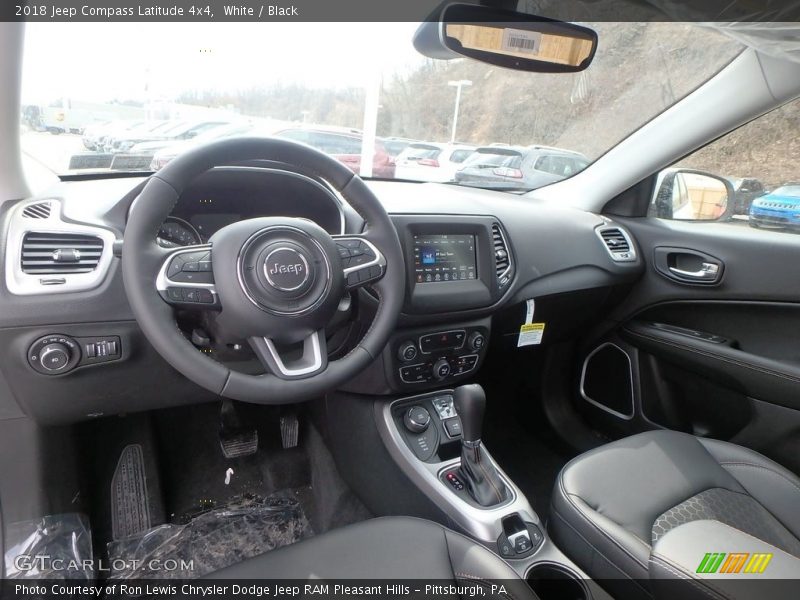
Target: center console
(430,437)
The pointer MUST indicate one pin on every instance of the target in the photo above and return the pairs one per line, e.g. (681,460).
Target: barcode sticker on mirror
(519,40)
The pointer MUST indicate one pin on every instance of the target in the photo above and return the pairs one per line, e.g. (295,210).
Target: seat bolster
(776,488)
(600,546)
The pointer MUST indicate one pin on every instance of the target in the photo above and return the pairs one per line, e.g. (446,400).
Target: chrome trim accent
(632,248)
(163,282)
(272,310)
(483,524)
(464,341)
(626,417)
(508,252)
(28,284)
(311,345)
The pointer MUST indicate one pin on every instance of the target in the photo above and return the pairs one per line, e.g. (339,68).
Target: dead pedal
(290,430)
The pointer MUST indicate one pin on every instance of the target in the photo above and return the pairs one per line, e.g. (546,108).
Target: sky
(104,61)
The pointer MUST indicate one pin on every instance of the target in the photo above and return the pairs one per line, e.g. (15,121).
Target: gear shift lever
(481,477)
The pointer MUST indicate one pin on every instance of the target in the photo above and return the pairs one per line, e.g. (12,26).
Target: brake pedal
(235,440)
(290,429)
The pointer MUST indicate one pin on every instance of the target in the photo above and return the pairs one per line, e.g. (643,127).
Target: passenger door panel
(714,358)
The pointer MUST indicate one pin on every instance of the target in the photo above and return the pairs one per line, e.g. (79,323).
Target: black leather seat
(385,548)
(610,505)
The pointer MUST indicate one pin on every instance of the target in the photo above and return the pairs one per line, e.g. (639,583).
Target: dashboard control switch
(441,368)
(54,357)
(476,340)
(407,351)
(453,427)
(417,419)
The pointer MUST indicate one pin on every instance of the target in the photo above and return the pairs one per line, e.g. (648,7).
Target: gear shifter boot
(480,476)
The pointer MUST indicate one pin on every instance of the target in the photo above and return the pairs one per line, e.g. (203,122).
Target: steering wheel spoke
(186,278)
(310,360)
(362,262)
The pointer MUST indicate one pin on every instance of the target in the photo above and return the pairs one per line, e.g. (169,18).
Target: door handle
(689,266)
(707,272)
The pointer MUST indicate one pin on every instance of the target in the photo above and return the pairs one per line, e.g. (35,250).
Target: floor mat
(246,527)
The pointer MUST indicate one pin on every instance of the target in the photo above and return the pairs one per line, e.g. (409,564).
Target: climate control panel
(439,355)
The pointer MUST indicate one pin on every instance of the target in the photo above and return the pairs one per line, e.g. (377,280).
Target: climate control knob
(54,357)
(476,341)
(407,351)
(441,368)
(417,419)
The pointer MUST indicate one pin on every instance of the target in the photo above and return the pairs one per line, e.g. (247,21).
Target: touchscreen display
(439,258)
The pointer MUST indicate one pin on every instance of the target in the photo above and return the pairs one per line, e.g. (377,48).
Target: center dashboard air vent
(50,253)
(502,256)
(618,243)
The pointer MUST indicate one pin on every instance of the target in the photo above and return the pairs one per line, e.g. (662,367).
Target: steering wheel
(273,281)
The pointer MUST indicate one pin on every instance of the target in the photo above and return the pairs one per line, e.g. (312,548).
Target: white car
(430,161)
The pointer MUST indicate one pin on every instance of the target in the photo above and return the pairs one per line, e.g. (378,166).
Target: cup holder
(553,582)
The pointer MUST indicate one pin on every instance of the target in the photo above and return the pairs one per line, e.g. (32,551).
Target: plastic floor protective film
(53,547)
(245,527)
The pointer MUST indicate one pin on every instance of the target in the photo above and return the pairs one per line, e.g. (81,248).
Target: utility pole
(458,85)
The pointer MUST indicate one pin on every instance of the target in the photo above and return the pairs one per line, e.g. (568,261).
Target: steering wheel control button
(175,294)
(417,419)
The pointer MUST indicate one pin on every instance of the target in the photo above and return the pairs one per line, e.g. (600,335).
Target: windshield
(162,95)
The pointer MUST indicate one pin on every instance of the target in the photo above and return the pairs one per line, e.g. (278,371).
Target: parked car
(745,190)
(95,138)
(92,132)
(430,161)
(165,154)
(146,129)
(780,208)
(345,146)
(519,167)
(182,131)
(395,145)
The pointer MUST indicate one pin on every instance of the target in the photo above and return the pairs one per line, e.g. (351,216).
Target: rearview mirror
(690,195)
(516,40)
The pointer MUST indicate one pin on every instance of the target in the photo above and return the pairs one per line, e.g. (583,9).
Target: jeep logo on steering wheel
(286,269)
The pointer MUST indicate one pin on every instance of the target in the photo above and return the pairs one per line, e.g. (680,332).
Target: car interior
(255,364)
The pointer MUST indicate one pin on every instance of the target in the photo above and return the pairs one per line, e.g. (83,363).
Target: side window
(747,178)
(459,156)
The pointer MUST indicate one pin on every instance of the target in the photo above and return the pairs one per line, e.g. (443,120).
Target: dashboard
(472,258)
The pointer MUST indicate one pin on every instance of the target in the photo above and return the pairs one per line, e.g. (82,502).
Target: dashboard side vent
(50,253)
(502,258)
(40,210)
(617,243)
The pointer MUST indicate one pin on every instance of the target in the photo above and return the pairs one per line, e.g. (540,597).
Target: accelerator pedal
(235,440)
(130,510)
